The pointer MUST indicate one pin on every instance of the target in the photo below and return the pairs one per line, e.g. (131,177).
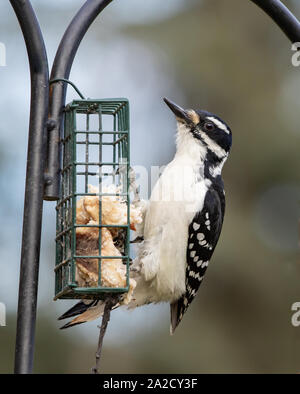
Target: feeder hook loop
(69,82)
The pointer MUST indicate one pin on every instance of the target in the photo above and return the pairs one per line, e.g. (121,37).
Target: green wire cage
(95,167)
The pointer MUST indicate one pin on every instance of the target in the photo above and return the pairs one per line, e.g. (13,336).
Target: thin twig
(109,303)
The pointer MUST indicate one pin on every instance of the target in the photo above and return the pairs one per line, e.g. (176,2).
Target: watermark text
(295,320)
(2,314)
(2,55)
(296,56)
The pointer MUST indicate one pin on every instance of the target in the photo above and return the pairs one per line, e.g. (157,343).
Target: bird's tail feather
(70,324)
(85,312)
(78,308)
(173,323)
(175,309)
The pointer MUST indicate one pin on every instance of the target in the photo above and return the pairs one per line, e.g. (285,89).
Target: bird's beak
(179,112)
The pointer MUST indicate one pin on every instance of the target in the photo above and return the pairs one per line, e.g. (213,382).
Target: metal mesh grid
(95,151)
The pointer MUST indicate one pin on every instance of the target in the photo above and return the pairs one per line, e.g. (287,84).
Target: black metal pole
(32,219)
(282,16)
(61,69)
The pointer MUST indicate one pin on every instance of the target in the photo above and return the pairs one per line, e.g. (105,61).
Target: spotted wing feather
(204,232)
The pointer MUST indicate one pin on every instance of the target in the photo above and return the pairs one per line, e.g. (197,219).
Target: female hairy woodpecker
(182,219)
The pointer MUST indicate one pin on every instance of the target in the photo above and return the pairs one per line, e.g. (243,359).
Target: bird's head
(206,129)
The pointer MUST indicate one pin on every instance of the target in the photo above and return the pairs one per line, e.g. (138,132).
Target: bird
(182,220)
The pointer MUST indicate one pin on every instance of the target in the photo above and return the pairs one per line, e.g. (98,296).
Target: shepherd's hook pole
(282,16)
(33,205)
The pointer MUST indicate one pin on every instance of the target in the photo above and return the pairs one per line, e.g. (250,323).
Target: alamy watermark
(179,184)
(2,314)
(2,54)
(295,320)
(296,56)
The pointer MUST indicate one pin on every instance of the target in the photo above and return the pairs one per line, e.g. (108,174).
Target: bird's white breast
(177,196)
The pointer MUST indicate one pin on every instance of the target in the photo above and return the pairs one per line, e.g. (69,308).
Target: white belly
(175,199)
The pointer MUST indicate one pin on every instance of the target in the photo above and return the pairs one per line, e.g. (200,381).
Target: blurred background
(224,56)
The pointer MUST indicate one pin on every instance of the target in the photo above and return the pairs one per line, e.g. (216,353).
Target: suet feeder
(95,152)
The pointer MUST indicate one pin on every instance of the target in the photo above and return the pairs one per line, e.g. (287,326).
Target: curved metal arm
(32,220)
(61,69)
(282,16)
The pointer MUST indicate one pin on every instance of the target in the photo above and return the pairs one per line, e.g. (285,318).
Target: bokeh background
(224,56)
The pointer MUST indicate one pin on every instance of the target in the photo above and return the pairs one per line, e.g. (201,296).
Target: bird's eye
(209,126)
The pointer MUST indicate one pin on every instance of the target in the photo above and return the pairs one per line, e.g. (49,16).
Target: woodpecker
(182,220)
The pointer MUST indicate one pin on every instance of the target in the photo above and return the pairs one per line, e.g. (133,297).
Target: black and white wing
(204,232)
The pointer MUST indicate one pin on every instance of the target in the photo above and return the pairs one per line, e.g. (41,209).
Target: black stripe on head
(220,134)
